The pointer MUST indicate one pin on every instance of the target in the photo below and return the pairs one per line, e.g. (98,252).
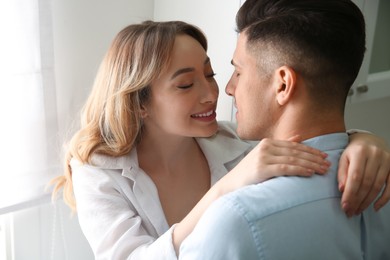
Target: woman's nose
(211,92)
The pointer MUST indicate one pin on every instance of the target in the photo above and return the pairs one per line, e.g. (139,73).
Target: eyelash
(186,86)
(212,75)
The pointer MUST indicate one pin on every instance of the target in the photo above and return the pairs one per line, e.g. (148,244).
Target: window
(29,152)
(5,252)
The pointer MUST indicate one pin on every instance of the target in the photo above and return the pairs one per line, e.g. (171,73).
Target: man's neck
(309,126)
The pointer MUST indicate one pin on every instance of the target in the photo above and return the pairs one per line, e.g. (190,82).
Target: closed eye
(185,86)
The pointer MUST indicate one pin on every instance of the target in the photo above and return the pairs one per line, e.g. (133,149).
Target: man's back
(290,218)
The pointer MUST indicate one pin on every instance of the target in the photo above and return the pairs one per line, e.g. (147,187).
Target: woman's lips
(205,116)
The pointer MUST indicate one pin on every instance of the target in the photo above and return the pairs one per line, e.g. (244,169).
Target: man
(295,62)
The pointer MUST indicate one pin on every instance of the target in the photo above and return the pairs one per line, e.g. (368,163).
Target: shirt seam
(251,223)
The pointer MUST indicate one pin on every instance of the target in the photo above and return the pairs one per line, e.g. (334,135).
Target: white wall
(83,31)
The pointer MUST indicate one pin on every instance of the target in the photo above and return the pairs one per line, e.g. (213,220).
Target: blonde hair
(111,122)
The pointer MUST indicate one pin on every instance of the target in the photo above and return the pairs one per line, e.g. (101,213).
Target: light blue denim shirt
(290,218)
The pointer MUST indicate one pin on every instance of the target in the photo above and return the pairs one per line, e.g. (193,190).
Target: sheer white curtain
(29,147)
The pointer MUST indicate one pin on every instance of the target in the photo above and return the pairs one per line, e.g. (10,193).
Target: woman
(150,156)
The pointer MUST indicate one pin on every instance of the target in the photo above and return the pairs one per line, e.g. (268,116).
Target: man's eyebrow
(186,70)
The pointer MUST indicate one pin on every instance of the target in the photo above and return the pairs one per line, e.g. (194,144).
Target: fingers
(300,163)
(295,170)
(366,177)
(375,189)
(350,200)
(296,157)
(342,172)
(368,188)
(385,197)
(271,158)
(291,147)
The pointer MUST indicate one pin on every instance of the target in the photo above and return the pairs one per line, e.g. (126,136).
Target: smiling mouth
(206,114)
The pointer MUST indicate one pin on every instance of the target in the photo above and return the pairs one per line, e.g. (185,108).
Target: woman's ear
(144,112)
(286,84)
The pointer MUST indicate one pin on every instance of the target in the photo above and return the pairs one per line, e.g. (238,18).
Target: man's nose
(230,86)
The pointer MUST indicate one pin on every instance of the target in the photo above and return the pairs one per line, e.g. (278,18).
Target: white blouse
(118,205)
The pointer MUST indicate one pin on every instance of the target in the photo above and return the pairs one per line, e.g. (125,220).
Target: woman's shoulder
(102,171)
(101,165)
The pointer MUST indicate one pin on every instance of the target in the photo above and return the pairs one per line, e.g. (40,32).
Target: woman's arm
(268,159)
(364,171)
(113,226)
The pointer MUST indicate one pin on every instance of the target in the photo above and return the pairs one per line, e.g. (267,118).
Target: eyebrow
(186,70)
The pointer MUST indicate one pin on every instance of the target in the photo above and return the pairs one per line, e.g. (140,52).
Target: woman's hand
(271,158)
(363,173)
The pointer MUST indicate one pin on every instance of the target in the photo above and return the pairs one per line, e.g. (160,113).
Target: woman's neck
(167,152)
(180,171)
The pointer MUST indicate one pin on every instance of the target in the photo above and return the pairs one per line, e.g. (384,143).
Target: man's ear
(286,80)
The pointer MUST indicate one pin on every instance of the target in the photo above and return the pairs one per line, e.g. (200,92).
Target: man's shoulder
(279,194)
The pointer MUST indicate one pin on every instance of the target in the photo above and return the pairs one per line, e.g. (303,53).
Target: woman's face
(184,98)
